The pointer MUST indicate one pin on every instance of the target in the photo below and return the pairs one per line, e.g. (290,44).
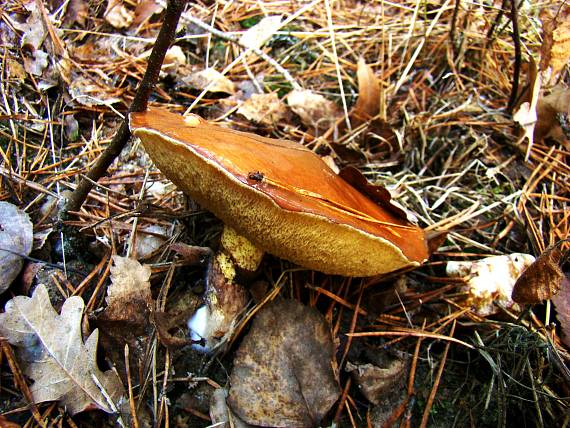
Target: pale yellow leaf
(118,15)
(266,109)
(212,81)
(261,32)
(314,109)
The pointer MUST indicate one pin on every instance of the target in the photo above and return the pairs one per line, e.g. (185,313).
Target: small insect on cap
(280,195)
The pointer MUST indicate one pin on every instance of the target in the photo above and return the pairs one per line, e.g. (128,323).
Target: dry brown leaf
(53,354)
(561,46)
(562,304)
(555,49)
(145,9)
(130,286)
(376,382)
(261,32)
(368,103)
(16,240)
(77,12)
(549,110)
(15,70)
(210,80)
(173,59)
(378,133)
(33,29)
(89,93)
(314,110)
(283,371)
(378,193)
(542,279)
(126,319)
(118,15)
(266,109)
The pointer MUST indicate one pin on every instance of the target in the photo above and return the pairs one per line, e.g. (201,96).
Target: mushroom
(280,196)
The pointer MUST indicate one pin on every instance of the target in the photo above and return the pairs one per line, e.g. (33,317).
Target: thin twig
(139,103)
(454,25)
(517,43)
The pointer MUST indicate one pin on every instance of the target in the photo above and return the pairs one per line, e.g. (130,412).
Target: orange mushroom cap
(280,195)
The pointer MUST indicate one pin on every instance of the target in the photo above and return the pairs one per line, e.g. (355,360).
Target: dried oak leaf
(542,279)
(378,384)
(314,110)
(555,49)
(266,109)
(210,80)
(126,319)
(52,353)
(16,240)
(283,371)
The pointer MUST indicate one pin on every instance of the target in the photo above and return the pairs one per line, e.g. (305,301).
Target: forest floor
(424,98)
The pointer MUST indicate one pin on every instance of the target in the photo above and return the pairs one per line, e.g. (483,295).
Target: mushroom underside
(306,239)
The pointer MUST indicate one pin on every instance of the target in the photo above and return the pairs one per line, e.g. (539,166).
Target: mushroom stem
(225,298)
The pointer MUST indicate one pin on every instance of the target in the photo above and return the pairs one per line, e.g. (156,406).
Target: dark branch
(517,43)
(163,41)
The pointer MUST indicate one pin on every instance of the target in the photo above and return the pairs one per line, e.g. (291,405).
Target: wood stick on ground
(517,44)
(163,41)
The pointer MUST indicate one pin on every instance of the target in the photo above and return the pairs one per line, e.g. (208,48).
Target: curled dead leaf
(550,110)
(145,9)
(542,279)
(376,192)
(368,103)
(377,382)
(283,371)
